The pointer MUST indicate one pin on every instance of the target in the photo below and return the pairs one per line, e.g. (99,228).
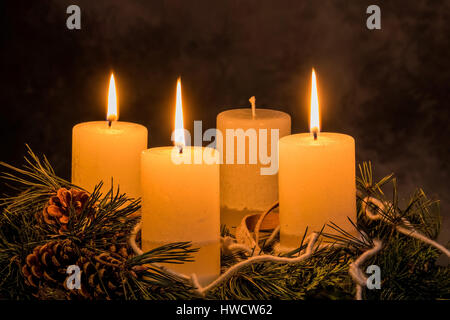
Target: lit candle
(249,187)
(180,200)
(316,180)
(108,151)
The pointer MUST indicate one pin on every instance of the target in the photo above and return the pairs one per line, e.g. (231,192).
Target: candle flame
(179,127)
(314,122)
(112,114)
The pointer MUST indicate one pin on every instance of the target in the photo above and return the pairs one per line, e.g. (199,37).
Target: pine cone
(118,245)
(100,275)
(57,211)
(48,263)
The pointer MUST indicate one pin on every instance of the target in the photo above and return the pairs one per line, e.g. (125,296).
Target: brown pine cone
(56,212)
(48,263)
(100,276)
(118,245)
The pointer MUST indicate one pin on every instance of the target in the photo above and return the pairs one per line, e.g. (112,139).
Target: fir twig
(409,268)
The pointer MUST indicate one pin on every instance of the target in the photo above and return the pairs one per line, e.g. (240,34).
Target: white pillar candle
(317,184)
(316,180)
(108,151)
(180,201)
(104,153)
(243,189)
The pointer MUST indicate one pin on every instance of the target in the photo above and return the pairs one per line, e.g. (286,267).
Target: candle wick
(110,119)
(315,133)
(253,102)
(180,149)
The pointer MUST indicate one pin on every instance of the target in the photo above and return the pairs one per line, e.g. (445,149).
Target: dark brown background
(387,88)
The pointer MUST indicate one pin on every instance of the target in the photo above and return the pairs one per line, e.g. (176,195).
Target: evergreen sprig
(103,217)
(409,268)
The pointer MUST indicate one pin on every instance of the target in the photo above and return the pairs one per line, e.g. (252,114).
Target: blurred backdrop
(388,88)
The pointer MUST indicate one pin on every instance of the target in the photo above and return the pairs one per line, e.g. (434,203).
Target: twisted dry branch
(231,245)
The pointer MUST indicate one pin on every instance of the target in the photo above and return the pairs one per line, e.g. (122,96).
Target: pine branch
(153,279)
(409,269)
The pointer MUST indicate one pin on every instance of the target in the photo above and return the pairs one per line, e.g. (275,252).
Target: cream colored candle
(244,187)
(180,201)
(317,184)
(108,151)
(102,153)
(316,180)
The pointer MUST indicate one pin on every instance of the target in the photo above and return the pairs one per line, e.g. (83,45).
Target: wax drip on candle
(253,102)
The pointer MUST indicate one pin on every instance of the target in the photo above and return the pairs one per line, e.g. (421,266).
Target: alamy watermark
(374,20)
(73,281)
(74,20)
(235,146)
(374,281)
